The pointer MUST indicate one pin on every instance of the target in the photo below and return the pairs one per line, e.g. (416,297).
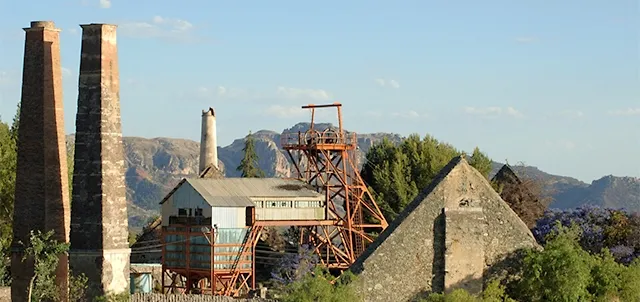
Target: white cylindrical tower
(208,141)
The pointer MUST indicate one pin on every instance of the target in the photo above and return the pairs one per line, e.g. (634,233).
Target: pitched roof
(240,192)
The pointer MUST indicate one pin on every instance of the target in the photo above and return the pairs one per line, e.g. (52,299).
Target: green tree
(249,164)
(45,252)
(8,161)
(481,162)
(397,173)
(561,272)
(320,286)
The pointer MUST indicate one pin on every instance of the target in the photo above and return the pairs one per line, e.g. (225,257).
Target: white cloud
(492,112)
(158,27)
(105,3)
(387,83)
(304,94)
(72,30)
(625,112)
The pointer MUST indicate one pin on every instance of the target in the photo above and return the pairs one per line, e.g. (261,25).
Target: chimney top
(208,112)
(43,24)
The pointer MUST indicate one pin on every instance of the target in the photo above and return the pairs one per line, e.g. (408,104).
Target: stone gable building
(451,236)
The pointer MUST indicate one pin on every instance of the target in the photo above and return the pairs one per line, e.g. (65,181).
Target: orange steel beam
(296,222)
(330,166)
(229,282)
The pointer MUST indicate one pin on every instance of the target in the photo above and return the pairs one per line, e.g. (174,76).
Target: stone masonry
(99,228)
(453,235)
(464,249)
(42,190)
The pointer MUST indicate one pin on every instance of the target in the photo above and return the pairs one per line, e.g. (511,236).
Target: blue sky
(554,84)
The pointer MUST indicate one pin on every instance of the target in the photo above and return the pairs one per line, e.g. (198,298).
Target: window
(182,212)
(199,212)
(190,212)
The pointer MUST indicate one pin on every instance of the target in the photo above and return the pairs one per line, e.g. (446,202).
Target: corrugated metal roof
(237,192)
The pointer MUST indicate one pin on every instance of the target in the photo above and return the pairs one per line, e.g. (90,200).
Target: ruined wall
(42,190)
(99,228)
(189,298)
(408,258)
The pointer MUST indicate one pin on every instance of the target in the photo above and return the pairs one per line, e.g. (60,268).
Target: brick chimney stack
(42,189)
(99,227)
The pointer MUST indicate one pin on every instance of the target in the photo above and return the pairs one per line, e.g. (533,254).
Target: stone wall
(5,294)
(464,249)
(414,255)
(188,298)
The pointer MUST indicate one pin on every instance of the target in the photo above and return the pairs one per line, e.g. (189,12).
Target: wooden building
(210,227)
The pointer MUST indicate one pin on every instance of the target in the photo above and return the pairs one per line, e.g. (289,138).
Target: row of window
(289,204)
(197,212)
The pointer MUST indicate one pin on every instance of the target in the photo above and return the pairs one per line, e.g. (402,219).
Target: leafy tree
(78,287)
(320,286)
(564,271)
(249,164)
(8,161)
(561,272)
(397,173)
(481,162)
(45,252)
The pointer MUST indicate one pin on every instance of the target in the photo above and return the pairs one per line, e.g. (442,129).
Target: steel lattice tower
(325,158)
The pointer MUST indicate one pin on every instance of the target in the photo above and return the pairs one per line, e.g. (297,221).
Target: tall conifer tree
(249,164)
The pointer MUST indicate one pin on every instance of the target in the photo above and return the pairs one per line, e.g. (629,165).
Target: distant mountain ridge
(154,166)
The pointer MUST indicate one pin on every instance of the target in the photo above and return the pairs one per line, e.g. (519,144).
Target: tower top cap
(43,24)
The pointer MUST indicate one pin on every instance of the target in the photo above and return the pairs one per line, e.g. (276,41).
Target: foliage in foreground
(495,292)
(563,271)
(319,286)
(45,252)
(615,230)
(295,266)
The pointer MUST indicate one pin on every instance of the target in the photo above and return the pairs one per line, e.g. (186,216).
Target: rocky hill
(154,166)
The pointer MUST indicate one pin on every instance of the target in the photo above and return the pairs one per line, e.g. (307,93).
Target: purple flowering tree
(295,266)
(601,228)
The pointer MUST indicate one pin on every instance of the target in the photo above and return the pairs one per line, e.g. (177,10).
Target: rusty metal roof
(239,192)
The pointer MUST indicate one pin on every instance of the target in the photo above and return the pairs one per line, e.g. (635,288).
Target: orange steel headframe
(326,158)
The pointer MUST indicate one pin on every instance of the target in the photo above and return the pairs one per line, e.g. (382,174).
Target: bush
(615,230)
(564,271)
(320,286)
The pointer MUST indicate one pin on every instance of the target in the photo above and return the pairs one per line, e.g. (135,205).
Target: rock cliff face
(153,166)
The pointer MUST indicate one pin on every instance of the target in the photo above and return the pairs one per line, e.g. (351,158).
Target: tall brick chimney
(208,141)
(99,228)
(42,189)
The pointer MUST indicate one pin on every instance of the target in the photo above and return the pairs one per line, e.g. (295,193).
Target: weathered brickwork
(99,229)
(411,258)
(42,190)
(189,298)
